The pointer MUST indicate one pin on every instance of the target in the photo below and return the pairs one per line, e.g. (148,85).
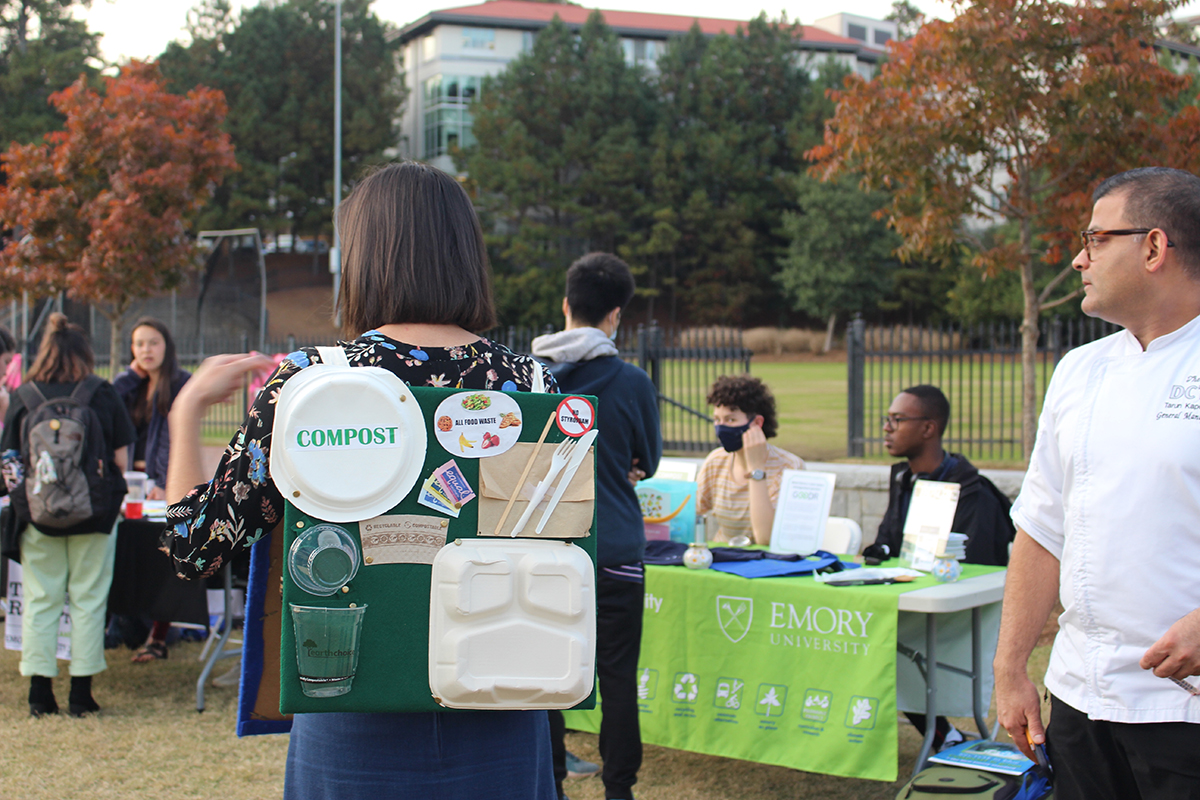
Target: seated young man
(913,429)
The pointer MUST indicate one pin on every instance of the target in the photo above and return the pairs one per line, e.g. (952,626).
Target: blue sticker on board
(419,355)
(508,386)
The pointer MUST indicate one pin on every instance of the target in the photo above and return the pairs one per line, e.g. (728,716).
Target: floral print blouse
(241,504)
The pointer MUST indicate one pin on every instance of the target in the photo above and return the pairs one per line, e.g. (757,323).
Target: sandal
(151,651)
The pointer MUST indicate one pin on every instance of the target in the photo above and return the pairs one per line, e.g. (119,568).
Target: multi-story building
(446,55)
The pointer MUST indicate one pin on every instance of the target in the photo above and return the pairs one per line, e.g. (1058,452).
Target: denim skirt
(460,755)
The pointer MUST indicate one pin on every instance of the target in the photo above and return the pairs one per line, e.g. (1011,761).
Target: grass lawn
(150,742)
(810,399)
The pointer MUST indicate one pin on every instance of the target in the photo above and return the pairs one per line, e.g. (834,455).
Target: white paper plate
(319,459)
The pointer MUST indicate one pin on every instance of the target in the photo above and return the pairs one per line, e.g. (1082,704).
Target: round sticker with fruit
(478,424)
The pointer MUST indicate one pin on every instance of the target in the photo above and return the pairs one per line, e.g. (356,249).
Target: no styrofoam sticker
(575,416)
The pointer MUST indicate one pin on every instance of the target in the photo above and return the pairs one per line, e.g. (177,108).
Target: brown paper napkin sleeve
(498,475)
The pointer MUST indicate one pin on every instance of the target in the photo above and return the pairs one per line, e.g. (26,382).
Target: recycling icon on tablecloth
(686,688)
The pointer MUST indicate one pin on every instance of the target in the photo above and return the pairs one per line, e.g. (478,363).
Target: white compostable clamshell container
(512,624)
(348,442)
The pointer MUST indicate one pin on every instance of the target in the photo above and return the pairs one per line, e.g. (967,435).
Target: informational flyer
(927,526)
(802,511)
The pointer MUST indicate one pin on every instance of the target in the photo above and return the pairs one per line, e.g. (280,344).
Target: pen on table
(1187,686)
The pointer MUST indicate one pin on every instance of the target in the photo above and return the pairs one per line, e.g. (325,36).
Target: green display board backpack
(405,584)
(943,782)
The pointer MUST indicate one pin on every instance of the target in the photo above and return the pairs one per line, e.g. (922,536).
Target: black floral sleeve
(241,504)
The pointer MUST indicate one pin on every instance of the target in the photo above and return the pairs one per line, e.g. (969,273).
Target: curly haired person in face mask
(739,481)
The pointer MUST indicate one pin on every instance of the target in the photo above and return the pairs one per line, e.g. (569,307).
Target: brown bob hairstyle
(64,356)
(412,252)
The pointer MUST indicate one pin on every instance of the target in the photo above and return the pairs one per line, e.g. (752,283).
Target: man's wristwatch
(758,475)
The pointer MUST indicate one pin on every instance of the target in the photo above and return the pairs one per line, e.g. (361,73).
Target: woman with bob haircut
(415,290)
(79,565)
(739,481)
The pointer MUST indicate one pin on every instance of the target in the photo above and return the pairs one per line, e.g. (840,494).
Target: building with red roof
(447,54)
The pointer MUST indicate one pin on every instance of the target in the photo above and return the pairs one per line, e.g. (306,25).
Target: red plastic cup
(133,510)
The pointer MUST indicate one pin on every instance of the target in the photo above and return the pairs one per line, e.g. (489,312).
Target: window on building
(856,32)
(448,121)
(428,48)
(642,51)
(882,37)
(526,41)
(479,38)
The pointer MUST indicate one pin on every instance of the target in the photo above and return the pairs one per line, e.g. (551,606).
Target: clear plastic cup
(327,645)
(323,559)
(135,494)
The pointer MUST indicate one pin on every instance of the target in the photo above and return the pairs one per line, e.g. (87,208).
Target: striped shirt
(726,495)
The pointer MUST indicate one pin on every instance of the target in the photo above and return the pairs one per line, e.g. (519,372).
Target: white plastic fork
(562,454)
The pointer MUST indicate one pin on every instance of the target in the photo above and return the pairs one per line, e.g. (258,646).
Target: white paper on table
(927,526)
(802,511)
(13,612)
(932,508)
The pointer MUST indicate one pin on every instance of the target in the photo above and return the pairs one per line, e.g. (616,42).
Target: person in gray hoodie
(584,360)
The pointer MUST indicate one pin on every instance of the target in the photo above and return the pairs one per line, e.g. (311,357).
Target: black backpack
(68,487)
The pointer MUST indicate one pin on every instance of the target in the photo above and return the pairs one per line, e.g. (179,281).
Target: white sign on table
(802,511)
(13,612)
(927,526)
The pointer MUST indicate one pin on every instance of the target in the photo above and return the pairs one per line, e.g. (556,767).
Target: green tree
(841,258)
(732,124)
(42,51)
(275,65)
(908,19)
(559,163)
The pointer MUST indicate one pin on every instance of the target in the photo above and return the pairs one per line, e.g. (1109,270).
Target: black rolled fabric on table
(144,581)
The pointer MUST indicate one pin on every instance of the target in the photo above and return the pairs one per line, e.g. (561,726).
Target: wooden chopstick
(524,475)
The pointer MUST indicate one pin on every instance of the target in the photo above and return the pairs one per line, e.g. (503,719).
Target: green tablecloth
(776,670)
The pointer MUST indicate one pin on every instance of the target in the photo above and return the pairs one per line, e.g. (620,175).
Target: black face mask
(731,436)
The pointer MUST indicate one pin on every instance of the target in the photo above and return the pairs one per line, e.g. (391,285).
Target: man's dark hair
(747,394)
(1160,197)
(596,284)
(933,404)
(412,251)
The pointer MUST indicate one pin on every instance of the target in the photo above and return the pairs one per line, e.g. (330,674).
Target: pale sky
(142,28)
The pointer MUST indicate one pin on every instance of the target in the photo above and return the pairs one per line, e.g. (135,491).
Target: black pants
(618,643)
(1097,760)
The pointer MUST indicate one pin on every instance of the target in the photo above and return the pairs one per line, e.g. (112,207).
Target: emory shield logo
(734,615)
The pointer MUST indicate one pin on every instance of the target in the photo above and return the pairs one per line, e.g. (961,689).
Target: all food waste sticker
(478,424)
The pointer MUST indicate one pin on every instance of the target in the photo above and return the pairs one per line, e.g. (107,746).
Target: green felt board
(393,663)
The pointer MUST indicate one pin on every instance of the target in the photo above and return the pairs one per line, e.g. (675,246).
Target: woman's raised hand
(219,377)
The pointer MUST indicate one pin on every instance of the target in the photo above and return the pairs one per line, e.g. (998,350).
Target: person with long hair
(415,291)
(79,565)
(149,387)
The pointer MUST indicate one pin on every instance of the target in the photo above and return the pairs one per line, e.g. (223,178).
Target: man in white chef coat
(1108,519)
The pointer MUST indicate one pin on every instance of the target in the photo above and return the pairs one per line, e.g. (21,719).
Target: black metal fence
(682,363)
(978,368)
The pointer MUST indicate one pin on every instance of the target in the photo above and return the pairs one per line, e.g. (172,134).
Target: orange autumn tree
(1012,112)
(101,209)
